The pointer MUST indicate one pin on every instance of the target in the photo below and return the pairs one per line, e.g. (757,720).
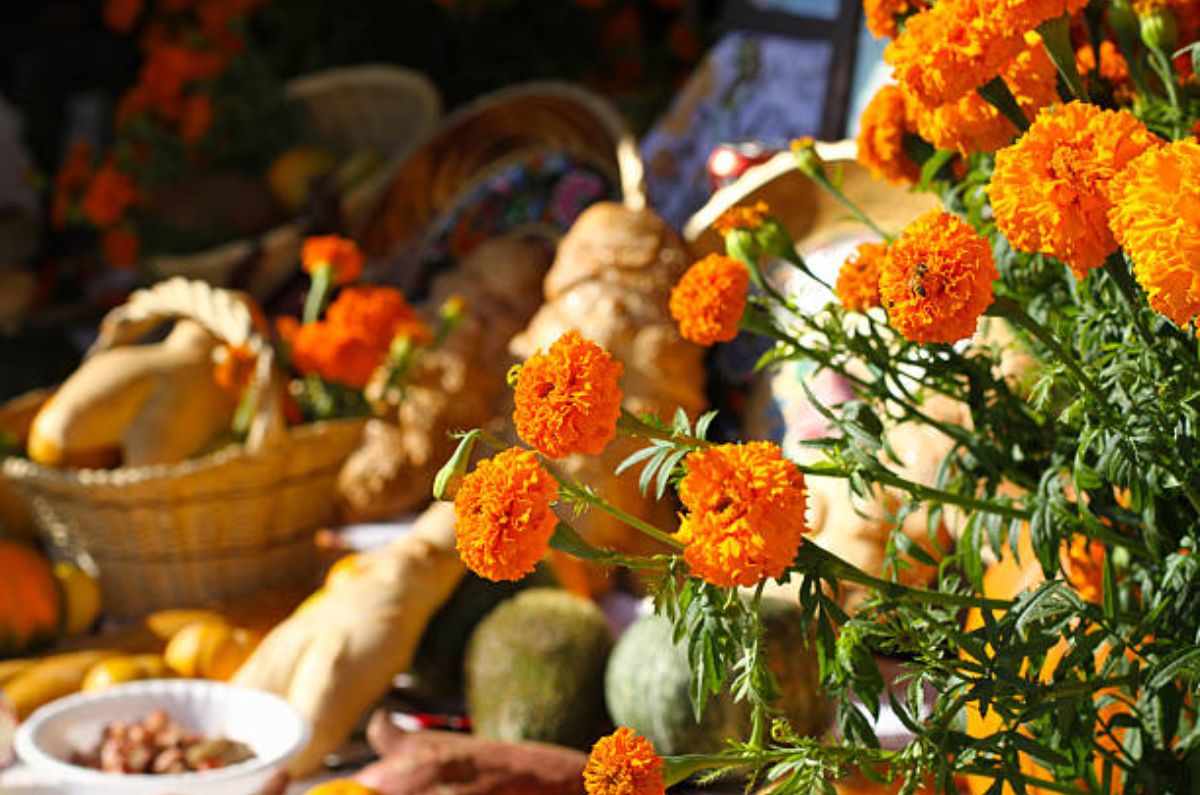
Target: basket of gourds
(132,462)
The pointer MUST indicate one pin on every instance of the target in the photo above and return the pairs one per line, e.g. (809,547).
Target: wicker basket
(480,138)
(387,109)
(209,528)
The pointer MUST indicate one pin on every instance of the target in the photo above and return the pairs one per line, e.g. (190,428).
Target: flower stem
(1162,67)
(1114,266)
(814,559)
(1011,310)
(633,425)
(582,495)
(845,201)
(318,293)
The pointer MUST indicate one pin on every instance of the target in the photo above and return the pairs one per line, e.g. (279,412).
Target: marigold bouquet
(1060,139)
(352,354)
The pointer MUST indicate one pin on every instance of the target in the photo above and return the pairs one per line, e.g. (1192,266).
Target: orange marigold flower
(882,15)
(745,517)
(196,119)
(1050,190)
(354,338)
(858,280)
(110,194)
(937,279)
(624,763)
(378,314)
(504,517)
(568,399)
(234,367)
(1083,563)
(746,216)
(336,354)
(339,253)
(1156,219)
(972,124)
(882,129)
(709,300)
(958,45)
(121,246)
(119,15)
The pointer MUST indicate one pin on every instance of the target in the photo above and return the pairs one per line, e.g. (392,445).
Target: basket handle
(229,316)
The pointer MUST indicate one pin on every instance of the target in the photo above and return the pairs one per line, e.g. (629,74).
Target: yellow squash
(81,593)
(50,678)
(119,670)
(165,624)
(210,650)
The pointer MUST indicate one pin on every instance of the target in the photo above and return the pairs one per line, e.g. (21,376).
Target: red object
(729,161)
(418,721)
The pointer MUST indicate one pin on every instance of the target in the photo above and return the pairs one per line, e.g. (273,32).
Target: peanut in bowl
(231,722)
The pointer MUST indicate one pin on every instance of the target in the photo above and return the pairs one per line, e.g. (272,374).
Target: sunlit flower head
(745,513)
(1156,219)
(504,516)
(857,286)
(958,45)
(710,298)
(972,124)
(1050,190)
(884,125)
(937,279)
(623,763)
(568,398)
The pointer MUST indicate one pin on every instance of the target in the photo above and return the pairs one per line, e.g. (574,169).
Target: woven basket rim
(22,470)
(629,172)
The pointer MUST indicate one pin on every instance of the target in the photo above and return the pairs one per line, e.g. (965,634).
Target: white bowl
(267,723)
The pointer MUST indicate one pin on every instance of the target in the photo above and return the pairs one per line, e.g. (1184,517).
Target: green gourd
(648,681)
(535,670)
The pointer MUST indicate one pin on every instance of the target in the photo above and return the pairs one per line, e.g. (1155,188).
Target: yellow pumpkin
(81,593)
(210,650)
(1006,579)
(31,606)
(119,670)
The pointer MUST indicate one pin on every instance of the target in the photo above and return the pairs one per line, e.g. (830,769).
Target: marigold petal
(1156,219)
(710,298)
(937,279)
(745,519)
(568,399)
(883,128)
(504,516)
(857,284)
(1050,190)
(624,763)
(342,254)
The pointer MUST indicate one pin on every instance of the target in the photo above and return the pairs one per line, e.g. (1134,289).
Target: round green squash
(535,670)
(648,681)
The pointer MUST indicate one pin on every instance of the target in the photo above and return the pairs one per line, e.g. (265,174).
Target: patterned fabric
(749,88)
